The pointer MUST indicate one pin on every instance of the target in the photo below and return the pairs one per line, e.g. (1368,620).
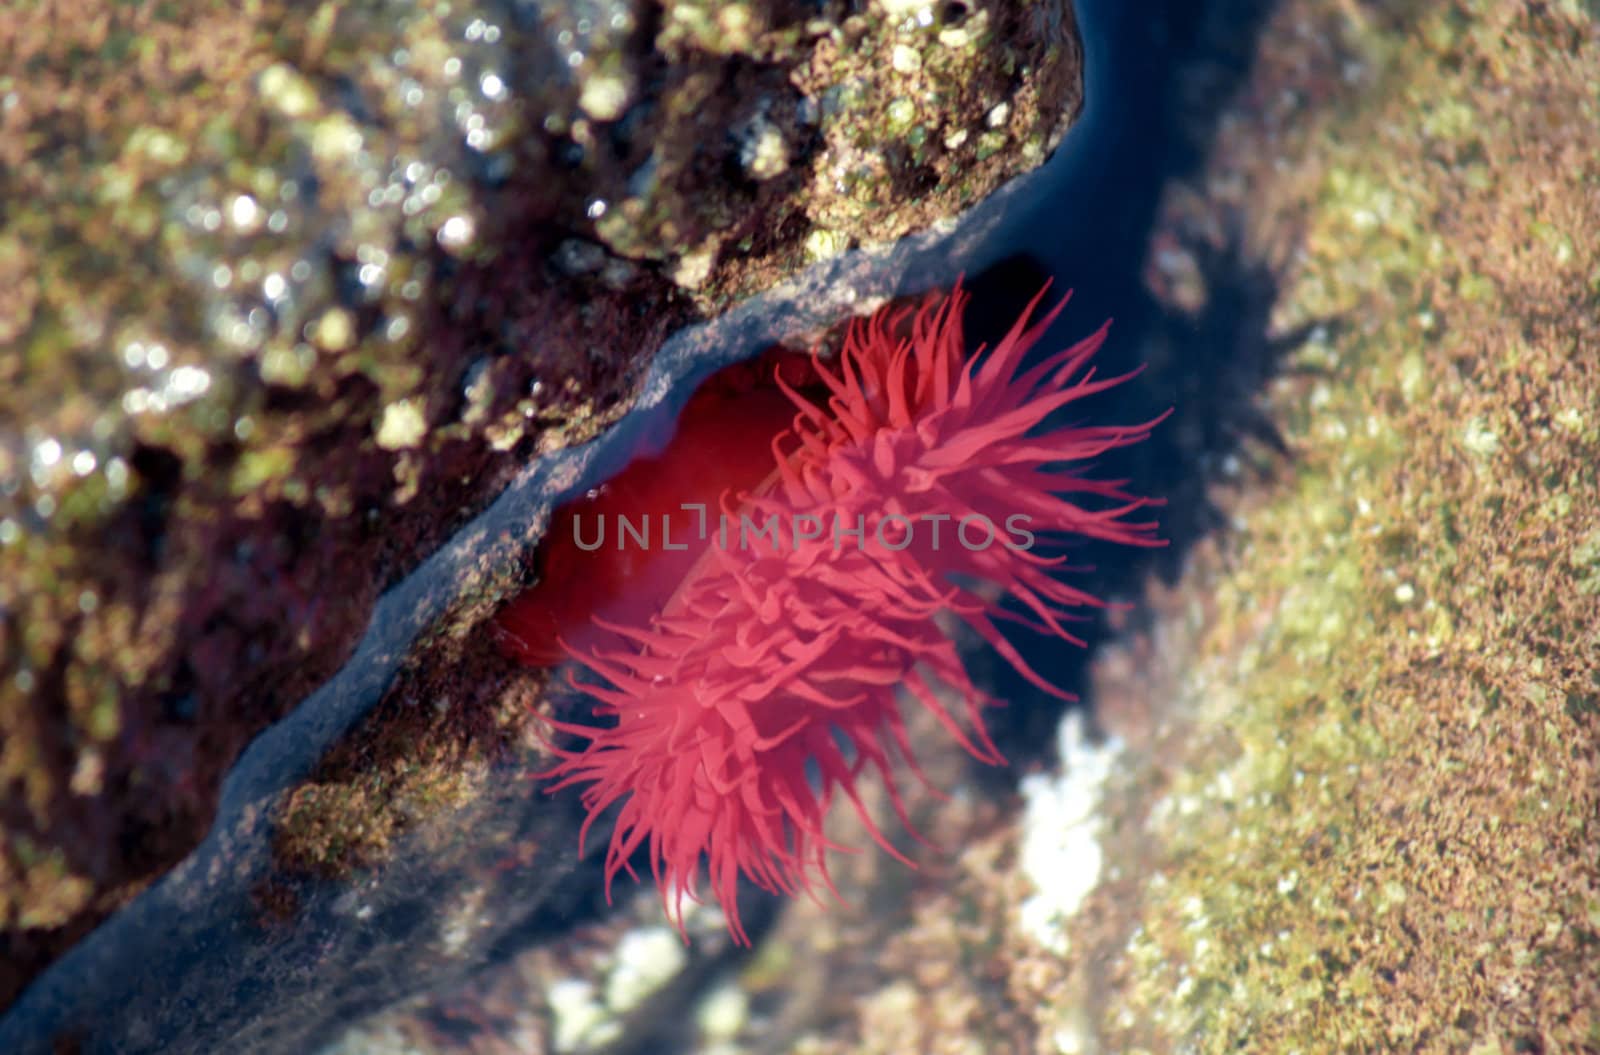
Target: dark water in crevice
(1160,77)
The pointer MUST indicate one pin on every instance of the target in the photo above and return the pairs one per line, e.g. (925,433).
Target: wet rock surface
(289,295)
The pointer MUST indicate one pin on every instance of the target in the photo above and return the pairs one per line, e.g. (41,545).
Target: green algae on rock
(1371,823)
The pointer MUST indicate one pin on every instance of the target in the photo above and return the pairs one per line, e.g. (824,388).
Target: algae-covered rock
(1381,827)
(287,292)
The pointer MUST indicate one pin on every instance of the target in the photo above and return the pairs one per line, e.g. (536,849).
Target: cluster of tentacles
(771,679)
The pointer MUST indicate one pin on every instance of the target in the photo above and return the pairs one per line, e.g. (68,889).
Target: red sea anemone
(768,677)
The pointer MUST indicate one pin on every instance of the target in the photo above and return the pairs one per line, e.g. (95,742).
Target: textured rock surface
(288,293)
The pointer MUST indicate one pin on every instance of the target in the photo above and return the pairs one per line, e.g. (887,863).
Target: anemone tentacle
(769,660)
